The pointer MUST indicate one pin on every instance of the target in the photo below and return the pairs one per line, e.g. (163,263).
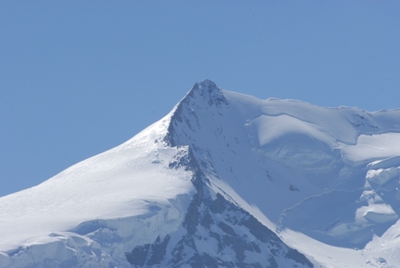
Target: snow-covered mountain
(223,180)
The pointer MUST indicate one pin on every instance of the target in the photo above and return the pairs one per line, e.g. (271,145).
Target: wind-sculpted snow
(224,180)
(310,162)
(369,147)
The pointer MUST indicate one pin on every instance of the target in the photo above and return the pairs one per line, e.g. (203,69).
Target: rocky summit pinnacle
(204,100)
(207,91)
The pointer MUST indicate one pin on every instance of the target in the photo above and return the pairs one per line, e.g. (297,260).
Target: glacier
(223,180)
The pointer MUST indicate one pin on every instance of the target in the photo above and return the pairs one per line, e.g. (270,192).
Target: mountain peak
(224,180)
(207,83)
(206,91)
(202,100)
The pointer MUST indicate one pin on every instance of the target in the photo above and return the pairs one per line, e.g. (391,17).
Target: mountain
(223,180)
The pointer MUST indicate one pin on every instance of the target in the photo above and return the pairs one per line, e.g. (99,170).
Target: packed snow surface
(325,180)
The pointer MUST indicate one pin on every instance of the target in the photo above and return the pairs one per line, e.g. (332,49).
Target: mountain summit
(223,180)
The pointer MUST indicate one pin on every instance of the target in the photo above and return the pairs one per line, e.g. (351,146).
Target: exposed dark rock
(298,257)
(215,233)
(138,256)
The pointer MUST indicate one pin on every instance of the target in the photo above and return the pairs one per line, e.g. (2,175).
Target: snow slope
(109,189)
(222,170)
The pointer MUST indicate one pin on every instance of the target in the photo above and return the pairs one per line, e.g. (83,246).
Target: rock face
(216,233)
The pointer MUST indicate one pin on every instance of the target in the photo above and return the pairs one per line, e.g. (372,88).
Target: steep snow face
(309,162)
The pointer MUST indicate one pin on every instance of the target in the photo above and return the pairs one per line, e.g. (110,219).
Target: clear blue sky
(80,77)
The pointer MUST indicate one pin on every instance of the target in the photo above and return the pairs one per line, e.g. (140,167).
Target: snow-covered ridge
(316,157)
(327,176)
